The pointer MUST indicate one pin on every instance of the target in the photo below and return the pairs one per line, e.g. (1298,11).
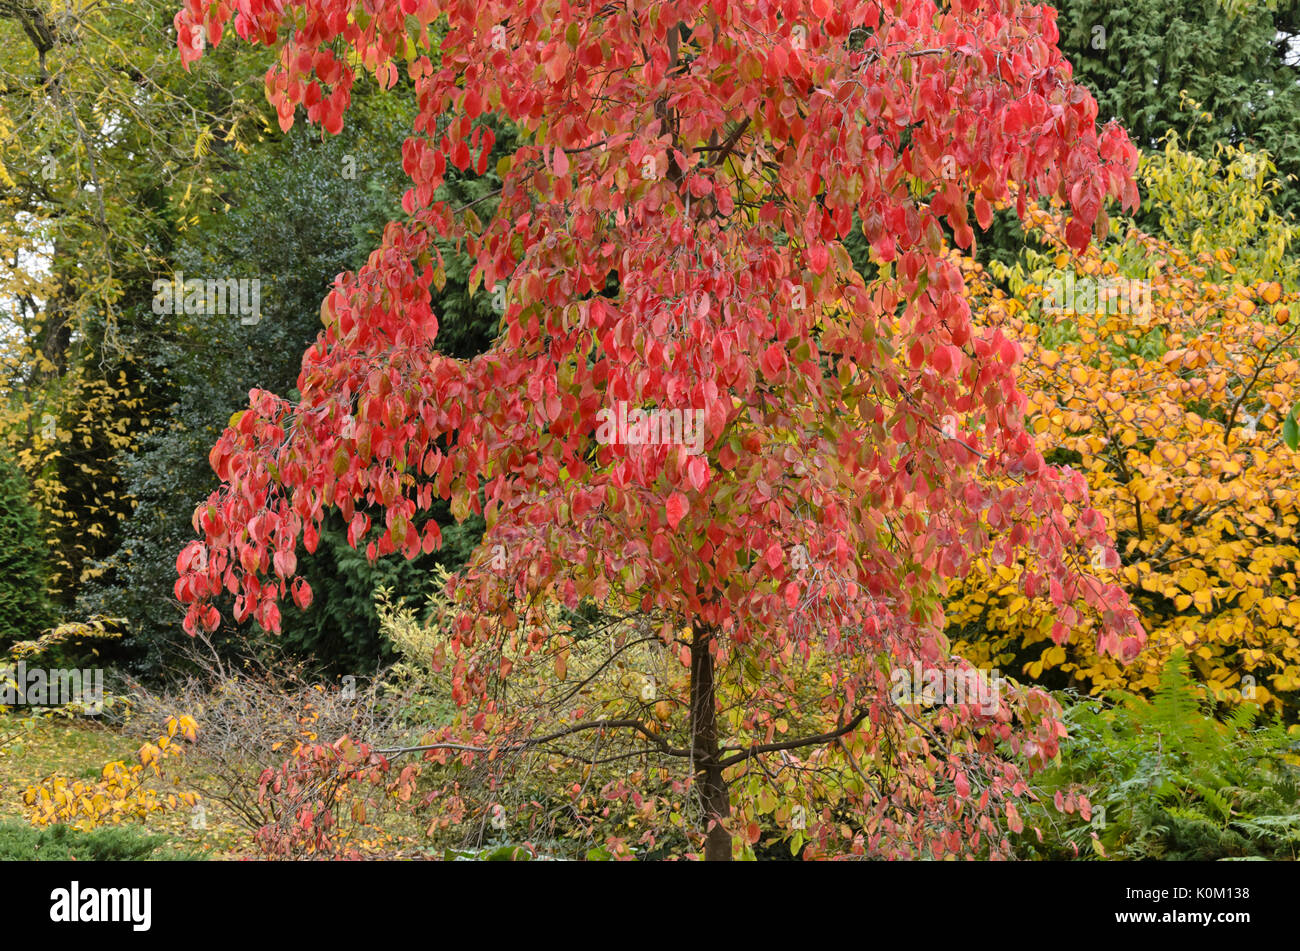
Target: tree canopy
(712,157)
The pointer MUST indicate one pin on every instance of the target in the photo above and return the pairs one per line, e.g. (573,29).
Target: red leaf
(1014,822)
(676,507)
(286,563)
(818,258)
(773,360)
(697,470)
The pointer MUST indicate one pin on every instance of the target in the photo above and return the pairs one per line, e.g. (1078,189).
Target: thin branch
(760,748)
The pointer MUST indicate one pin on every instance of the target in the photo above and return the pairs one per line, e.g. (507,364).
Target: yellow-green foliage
(1224,202)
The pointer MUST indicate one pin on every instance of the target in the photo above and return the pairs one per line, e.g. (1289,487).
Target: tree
(852,430)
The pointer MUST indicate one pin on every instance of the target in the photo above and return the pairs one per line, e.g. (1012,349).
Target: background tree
(24,600)
(106,149)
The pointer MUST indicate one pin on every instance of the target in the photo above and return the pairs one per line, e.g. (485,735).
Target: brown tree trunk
(709,783)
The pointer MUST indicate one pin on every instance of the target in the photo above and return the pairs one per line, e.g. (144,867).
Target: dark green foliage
(20,842)
(1237,65)
(340,631)
(467,325)
(1167,779)
(25,608)
(302,209)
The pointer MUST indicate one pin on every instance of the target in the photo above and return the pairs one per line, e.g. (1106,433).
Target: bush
(255,722)
(20,842)
(25,607)
(1170,391)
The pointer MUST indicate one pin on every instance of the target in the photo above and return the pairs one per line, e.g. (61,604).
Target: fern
(1172,780)
(1215,799)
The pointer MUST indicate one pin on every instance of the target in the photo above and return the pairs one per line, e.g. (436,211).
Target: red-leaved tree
(707,159)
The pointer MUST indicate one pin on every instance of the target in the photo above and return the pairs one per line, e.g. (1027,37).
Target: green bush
(1168,779)
(20,842)
(25,607)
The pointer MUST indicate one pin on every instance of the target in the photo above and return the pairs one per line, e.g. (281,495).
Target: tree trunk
(709,784)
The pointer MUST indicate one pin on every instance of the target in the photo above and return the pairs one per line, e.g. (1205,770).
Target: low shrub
(20,842)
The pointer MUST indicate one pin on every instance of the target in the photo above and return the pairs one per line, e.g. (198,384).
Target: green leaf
(1290,431)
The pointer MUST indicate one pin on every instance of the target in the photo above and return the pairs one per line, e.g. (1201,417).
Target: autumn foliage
(1168,389)
(709,159)
(123,792)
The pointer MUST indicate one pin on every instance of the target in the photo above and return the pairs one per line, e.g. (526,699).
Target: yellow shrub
(1169,391)
(121,792)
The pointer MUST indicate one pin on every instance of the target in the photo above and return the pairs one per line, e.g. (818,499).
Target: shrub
(1173,402)
(20,842)
(1165,778)
(257,724)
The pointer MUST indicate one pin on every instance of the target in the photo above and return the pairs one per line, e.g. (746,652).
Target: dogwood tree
(669,237)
